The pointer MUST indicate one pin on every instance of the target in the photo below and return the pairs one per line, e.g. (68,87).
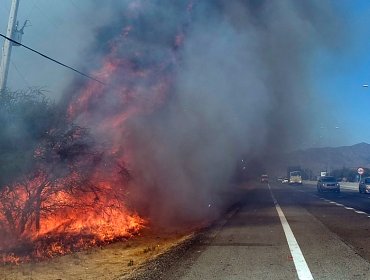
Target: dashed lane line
(344,206)
(301,266)
(339,204)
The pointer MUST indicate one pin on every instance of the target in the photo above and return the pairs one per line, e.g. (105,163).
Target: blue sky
(338,76)
(64,29)
(60,29)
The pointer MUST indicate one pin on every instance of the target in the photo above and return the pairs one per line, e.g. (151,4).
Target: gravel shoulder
(120,260)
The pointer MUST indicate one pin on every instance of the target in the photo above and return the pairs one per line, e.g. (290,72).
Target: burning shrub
(63,200)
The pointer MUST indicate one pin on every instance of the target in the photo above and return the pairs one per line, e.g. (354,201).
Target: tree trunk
(38,208)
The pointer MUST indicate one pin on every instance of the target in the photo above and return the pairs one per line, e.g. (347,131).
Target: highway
(280,231)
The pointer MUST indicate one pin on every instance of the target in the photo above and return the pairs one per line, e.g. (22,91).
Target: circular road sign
(360,170)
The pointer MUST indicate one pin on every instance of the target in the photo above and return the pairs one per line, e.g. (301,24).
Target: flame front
(83,202)
(69,220)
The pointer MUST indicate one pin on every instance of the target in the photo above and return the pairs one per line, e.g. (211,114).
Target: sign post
(360,171)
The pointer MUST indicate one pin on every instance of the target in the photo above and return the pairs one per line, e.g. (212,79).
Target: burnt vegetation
(46,167)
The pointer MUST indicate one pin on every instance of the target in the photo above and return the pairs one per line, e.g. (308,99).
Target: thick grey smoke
(237,75)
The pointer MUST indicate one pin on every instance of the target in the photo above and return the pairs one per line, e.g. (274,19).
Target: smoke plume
(191,86)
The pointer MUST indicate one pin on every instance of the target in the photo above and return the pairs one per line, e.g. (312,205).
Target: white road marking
(301,266)
(341,205)
(348,208)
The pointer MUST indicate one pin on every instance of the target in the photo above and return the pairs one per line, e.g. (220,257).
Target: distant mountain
(319,159)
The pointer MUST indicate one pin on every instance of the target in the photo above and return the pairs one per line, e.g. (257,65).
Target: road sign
(360,170)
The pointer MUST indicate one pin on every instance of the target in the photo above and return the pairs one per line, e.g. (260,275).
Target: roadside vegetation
(40,150)
(349,174)
(26,117)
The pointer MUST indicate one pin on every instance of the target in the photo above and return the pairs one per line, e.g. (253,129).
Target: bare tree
(65,174)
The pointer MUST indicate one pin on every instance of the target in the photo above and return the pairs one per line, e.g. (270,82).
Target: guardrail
(346,185)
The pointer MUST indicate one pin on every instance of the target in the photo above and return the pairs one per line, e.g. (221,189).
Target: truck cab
(295,178)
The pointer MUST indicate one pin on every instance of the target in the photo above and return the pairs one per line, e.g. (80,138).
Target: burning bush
(63,200)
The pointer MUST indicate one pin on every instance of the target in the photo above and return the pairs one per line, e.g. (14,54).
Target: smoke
(194,85)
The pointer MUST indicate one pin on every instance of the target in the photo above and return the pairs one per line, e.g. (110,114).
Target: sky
(338,77)
(64,30)
(59,29)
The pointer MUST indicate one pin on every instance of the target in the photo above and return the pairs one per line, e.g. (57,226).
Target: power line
(45,15)
(20,74)
(52,59)
(5,10)
(74,5)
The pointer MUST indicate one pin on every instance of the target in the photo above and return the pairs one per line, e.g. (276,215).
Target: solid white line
(301,266)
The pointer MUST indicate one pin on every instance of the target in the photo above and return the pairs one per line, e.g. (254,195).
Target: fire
(76,199)
(75,205)
(69,221)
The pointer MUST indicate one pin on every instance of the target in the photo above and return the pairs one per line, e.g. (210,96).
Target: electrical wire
(45,15)
(52,59)
(5,10)
(20,74)
(75,5)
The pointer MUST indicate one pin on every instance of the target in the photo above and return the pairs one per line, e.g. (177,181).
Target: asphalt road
(300,235)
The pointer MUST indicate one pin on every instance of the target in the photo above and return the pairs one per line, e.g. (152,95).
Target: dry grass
(115,261)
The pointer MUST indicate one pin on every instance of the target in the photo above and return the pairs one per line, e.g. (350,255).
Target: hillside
(317,159)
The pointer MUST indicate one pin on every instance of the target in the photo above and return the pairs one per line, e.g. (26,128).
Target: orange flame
(43,217)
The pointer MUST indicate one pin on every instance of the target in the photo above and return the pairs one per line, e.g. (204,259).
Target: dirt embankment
(115,261)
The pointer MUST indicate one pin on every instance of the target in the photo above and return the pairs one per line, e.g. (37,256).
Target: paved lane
(349,196)
(326,233)
(251,243)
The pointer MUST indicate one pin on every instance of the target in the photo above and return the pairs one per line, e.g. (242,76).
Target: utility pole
(7,47)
